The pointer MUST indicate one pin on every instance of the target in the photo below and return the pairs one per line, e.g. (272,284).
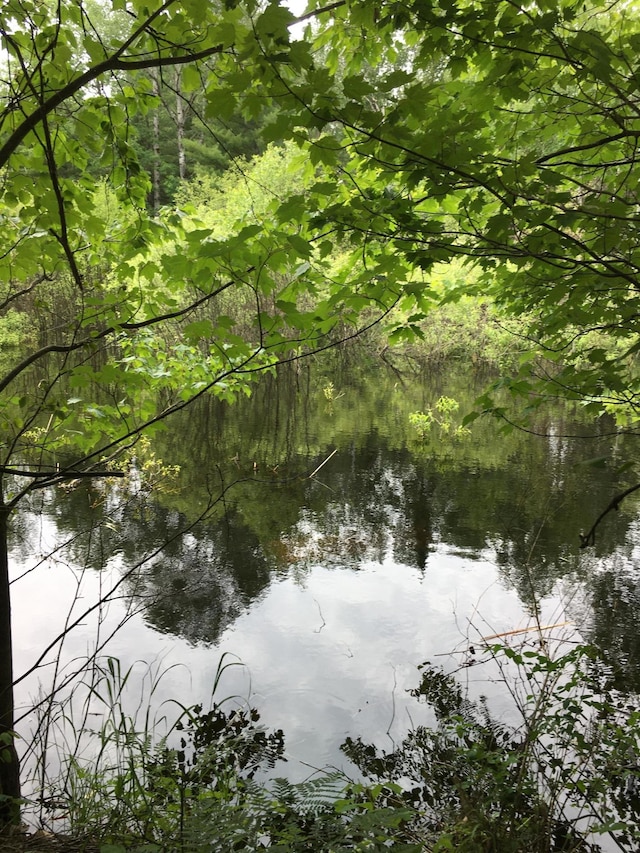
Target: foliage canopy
(497,133)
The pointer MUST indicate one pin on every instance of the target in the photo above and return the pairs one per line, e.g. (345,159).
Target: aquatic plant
(442,416)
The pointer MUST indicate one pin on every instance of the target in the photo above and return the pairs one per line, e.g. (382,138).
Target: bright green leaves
(440,418)
(417,136)
(181,368)
(528,171)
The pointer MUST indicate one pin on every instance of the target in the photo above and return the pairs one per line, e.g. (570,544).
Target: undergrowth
(562,778)
(559,779)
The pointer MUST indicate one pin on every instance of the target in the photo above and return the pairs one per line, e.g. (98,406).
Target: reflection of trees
(614,626)
(195,580)
(413,534)
(202,581)
(524,498)
(100,525)
(542,497)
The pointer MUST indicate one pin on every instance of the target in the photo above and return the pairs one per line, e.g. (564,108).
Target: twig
(393,706)
(525,630)
(322,464)
(317,631)
(590,537)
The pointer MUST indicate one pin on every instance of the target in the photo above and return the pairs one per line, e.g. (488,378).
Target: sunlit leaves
(530,173)
(424,134)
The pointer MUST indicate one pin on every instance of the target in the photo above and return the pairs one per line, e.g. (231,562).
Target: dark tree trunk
(9,766)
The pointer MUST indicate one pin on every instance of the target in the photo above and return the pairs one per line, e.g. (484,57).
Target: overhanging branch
(117,63)
(91,74)
(111,330)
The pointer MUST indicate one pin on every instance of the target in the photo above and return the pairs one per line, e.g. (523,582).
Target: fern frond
(313,795)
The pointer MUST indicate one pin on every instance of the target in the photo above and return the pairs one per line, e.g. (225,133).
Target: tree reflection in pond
(514,499)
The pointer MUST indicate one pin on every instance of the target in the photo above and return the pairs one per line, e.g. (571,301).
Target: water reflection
(384,498)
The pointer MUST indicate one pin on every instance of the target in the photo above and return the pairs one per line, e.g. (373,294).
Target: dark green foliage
(464,776)
(567,773)
(208,142)
(203,796)
(216,743)
(479,785)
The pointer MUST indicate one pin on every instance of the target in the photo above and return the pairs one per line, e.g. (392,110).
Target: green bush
(15,329)
(566,774)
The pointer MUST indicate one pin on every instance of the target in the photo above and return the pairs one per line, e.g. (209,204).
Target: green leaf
(190,79)
(301,246)
(196,331)
(274,22)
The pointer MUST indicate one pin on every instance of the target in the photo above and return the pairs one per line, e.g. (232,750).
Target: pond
(314,537)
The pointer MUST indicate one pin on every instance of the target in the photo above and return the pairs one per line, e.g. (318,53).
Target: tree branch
(111,330)
(66,474)
(113,63)
(634,134)
(589,538)
(25,290)
(246,367)
(316,12)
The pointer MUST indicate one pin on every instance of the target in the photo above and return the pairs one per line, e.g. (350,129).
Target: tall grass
(99,751)
(134,781)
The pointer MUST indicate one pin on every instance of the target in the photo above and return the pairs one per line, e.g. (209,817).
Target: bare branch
(589,538)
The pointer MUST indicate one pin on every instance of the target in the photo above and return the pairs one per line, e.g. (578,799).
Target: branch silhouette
(589,538)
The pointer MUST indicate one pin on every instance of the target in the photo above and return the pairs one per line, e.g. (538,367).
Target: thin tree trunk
(9,765)
(182,158)
(155,176)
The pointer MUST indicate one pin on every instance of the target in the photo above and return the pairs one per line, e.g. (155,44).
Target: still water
(315,539)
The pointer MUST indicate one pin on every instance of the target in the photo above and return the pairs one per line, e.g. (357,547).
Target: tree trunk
(9,765)
(155,176)
(182,158)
